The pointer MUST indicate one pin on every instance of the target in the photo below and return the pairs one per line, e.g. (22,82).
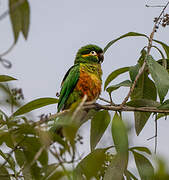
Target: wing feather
(68,84)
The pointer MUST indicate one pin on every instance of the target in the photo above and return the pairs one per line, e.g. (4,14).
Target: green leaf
(30,145)
(145,89)
(27,173)
(36,171)
(25,129)
(160,61)
(20,157)
(99,124)
(143,149)
(162,170)
(165,105)
(160,76)
(123,36)
(128,177)
(25,11)
(143,103)
(32,172)
(114,74)
(4,175)
(141,119)
(161,53)
(56,138)
(9,159)
(87,165)
(119,163)
(116,168)
(130,174)
(119,134)
(69,132)
(5,137)
(3,114)
(35,104)
(144,166)
(15,17)
(133,71)
(67,126)
(160,115)
(142,57)
(43,158)
(4,78)
(49,171)
(165,47)
(57,175)
(19,15)
(126,83)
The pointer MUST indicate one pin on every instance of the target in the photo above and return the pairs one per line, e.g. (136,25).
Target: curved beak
(101,57)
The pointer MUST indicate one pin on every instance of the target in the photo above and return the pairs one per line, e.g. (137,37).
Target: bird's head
(89,54)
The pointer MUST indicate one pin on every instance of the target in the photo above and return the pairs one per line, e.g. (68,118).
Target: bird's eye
(93,53)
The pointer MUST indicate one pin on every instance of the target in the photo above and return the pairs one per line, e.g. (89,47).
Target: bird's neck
(92,68)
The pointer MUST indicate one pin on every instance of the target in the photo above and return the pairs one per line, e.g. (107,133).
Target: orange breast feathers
(88,84)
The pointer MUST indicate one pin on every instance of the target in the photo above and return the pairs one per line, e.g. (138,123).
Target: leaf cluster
(27,145)
(153,82)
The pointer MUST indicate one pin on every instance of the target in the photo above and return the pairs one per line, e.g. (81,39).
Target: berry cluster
(43,117)
(164,21)
(79,139)
(17,93)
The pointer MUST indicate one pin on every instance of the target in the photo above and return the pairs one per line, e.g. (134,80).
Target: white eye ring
(93,53)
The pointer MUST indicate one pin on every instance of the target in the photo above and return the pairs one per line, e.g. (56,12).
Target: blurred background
(59,28)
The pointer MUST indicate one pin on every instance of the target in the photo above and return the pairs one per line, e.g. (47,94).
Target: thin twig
(10,153)
(156,130)
(21,169)
(154,6)
(8,50)
(6,176)
(144,64)
(79,106)
(155,136)
(111,101)
(37,155)
(6,63)
(134,83)
(148,139)
(105,100)
(53,116)
(60,162)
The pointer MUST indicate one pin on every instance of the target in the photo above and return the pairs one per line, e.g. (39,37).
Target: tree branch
(148,52)
(53,116)
(97,106)
(124,108)
(6,63)
(8,50)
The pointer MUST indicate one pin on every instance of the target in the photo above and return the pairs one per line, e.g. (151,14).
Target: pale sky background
(59,28)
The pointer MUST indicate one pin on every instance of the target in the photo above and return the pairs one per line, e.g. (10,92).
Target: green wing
(68,84)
